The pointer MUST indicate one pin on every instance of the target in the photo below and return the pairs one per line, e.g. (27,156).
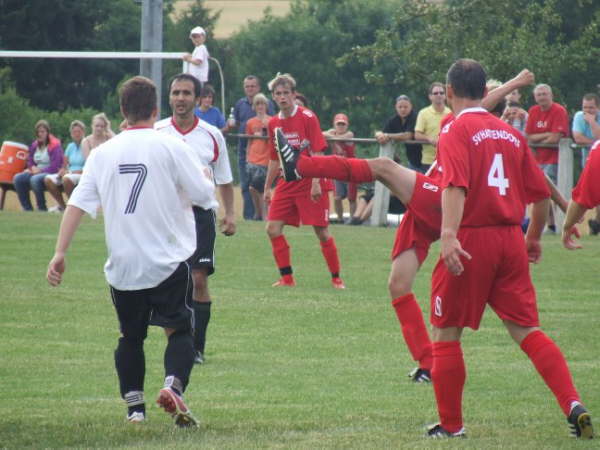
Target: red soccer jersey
(302,124)
(587,191)
(554,120)
(484,155)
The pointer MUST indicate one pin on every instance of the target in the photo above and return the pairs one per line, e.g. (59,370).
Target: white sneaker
(136,417)
(55,209)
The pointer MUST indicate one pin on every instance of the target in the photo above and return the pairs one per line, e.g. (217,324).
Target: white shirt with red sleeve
(553,120)
(302,124)
(493,163)
(587,191)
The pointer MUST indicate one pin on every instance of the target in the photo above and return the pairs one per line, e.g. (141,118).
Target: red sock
(344,169)
(448,377)
(331,255)
(551,365)
(414,330)
(281,251)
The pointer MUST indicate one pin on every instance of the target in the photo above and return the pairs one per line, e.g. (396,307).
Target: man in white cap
(198,60)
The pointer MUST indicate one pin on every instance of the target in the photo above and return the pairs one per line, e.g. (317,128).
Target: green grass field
(302,368)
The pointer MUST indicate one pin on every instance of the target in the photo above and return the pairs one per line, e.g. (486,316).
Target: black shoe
(580,423)
(436,431)
(418,375)
(199,358)
(288,156)
(594,226)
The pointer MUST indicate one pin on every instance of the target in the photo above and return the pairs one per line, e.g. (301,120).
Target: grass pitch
(303,368)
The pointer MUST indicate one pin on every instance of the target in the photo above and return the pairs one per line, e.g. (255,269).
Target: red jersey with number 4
(556,120)
(302,124)
(493,163)
(587,191)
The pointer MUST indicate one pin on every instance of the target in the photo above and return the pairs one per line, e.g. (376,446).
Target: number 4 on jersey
(496,175)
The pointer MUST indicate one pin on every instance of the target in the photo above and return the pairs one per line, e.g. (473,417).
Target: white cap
(197,30)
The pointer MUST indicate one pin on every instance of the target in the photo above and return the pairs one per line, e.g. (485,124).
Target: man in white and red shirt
(300,201)
(145,183)
(208,143)
(489,176)
(586,195)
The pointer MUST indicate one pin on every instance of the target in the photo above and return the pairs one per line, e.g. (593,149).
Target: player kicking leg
(419,227)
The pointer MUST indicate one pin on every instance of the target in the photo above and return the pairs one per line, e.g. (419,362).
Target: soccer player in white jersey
(209,144)
(145,182)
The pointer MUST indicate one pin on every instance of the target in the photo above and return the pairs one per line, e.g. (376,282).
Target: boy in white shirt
(145,183)
(198,60)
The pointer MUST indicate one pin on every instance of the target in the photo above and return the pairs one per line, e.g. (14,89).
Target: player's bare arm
(69,224)
(556,196)
(227,224)
(539,212)
(272,170)
(575,213)
(453,202)
(315,190)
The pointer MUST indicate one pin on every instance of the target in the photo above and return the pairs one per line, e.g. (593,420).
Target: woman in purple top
(45,157)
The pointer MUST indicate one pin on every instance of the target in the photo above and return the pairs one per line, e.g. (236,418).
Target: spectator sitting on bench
(70,173)
(45,157)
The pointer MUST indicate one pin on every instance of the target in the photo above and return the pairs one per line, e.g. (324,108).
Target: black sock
(201,318)
(179,357)
(130,364)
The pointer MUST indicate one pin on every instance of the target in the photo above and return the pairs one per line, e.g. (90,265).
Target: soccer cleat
(436,431)
(288,156)
(199,358)
(418,375)
(338,283)
(282,282)
(594,226)
(174,405)
(580,423)
(136,417)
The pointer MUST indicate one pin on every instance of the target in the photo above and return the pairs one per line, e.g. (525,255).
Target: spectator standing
(401,128)
(243,111)
(209,145)
(207,112)
(101,132)
(427,127)
(198,64)
(300,201)
(45,157)
(586,130)
(342,189)
(515,116)
(547,123)
(70,173)
(258,154)
(139,179)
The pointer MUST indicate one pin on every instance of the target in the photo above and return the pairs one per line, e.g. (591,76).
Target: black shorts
(206,233)
(168,305)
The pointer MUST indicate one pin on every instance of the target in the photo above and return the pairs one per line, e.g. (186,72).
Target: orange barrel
(13,159)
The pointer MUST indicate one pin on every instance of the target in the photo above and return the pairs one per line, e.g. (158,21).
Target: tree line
(352,56)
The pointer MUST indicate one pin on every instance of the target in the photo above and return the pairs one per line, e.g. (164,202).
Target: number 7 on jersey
(141,171)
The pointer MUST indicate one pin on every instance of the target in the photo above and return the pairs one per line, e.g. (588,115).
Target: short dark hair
(467,78)
(252,77)
(206,91)
(436,84)
(187,77)
(138,99)
(499,108)
(592,96)
(514,105)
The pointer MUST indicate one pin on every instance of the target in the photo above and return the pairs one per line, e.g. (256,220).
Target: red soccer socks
(281,253)
(344,169)
(330,254)
(551,365)
(414,329)
(448,376)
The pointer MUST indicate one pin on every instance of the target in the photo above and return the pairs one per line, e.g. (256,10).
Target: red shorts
(420,226)
(497,274)
(296,209)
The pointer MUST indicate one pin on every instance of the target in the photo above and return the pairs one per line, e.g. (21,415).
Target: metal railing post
(381,199)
